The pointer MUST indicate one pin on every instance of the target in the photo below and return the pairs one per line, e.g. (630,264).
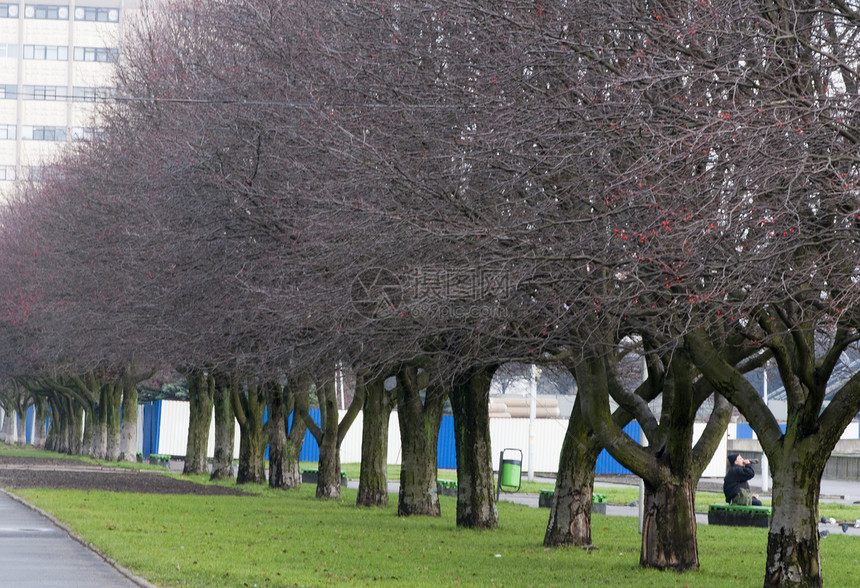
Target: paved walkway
(36,552)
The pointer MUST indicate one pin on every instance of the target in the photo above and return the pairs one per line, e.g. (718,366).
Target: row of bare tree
(426,192)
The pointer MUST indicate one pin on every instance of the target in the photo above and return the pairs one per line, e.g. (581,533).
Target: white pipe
(765,474)
(532,416)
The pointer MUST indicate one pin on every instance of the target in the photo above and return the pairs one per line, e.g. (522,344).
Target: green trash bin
(510,471)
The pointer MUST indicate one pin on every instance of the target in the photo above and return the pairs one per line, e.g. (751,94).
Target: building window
(46,12)
(94,14)
(88,94)
(8,50)
(8,92)
(8,132)
(46,52)
(7,173)
(87,134)
(44,93)
(43,133)
(34,173)
(8,11)
(99,54)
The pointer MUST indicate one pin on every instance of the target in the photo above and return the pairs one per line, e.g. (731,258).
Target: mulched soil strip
(70,474)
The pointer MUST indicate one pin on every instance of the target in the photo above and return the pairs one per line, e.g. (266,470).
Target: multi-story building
(56,62)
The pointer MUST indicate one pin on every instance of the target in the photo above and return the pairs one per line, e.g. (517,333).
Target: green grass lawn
(291,538)
(278,538)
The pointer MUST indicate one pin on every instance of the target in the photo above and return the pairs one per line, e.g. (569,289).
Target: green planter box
(160,460)
(739,516)
(312,477)
(598,501)
(446,488)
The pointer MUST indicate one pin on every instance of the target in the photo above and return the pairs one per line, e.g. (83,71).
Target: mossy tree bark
(570,512)
(129,379)
(57,438)
(276,430)
(22,427)
(128,430)
(225,426)
(200,391)
(476,497)
(373,479)
(296,403)
(330,435)
(249,406)
(669,527)
(419,422)
(671,464)
(75,428)
(111,394)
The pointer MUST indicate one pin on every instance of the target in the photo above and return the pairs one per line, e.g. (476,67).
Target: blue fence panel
(446,448)
(310,448)
(31,416)
(606,464)
(744,431)
(151,427)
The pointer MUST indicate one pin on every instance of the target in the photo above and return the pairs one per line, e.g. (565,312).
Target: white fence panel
(173,428)
(505,433)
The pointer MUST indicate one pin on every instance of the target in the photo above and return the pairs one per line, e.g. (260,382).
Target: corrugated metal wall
(606,464)
(165,431)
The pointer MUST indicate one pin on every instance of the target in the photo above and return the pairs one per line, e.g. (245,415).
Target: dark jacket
(736,478)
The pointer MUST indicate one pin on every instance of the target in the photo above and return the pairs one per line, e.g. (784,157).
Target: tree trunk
(200,391)
(669,527)
(570,513)
(476,504)
(252,455)
(330,435)
(95,433)
(277,435)
(40,418)
(250,409)
(128,431)
(113,397)
(373,480)
(56,427)
(75,427)
(670,465)
(328,478)
(793,556)
(22,428)
(419,433)
(225,427)
(297,402)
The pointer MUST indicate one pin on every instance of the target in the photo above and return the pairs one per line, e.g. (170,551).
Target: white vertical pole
(532,416)
(338,384)
(765,474)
